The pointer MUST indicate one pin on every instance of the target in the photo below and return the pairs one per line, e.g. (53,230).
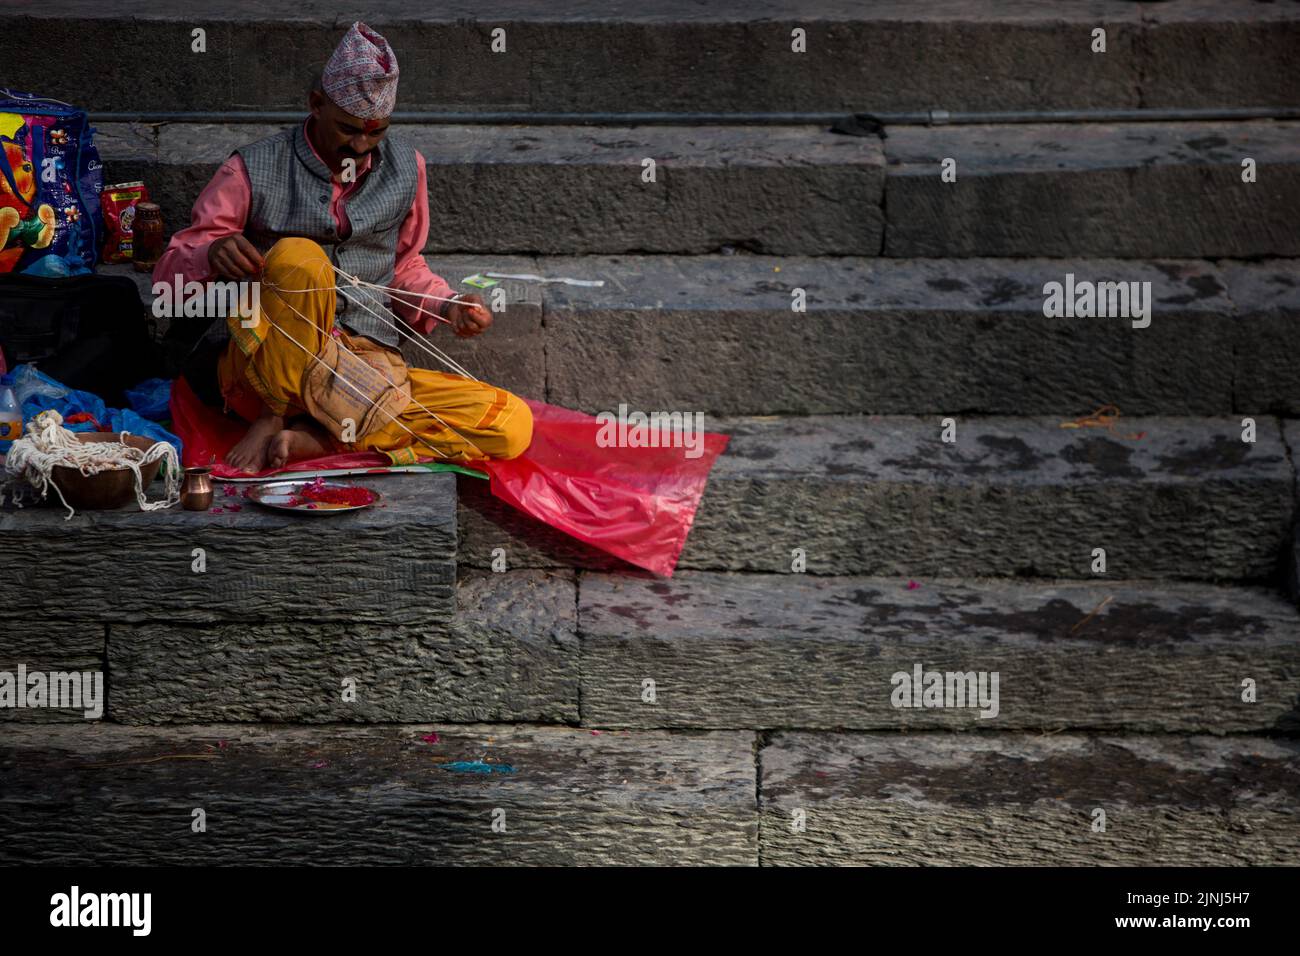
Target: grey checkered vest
(291,197)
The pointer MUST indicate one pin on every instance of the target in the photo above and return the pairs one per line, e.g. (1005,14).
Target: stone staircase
(739,713)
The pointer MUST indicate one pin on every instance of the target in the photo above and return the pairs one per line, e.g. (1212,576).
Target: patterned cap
(361,76)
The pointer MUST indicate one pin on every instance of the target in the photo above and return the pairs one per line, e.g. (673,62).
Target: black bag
(89,332)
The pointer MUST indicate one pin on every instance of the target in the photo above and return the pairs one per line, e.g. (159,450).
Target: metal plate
(282,495)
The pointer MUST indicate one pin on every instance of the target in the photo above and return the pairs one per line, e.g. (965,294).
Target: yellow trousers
(450,417)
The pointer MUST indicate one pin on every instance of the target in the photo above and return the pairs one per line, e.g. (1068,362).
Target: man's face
(338,135)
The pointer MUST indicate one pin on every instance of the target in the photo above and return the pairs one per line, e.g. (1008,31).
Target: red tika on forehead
(371,125)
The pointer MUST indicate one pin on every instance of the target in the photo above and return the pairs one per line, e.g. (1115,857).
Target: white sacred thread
(400,326)
(48,445)
(359,392)
(429,349)
(393,322)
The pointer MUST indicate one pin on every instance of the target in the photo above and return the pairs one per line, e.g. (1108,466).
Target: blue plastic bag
(151,398)
(37,392)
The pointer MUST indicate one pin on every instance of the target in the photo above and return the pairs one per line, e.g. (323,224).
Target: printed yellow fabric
(449,418)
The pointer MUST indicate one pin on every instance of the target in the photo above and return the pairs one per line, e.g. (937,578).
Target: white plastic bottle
(11,415)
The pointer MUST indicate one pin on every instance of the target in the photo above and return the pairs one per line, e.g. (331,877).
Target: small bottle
(11,415)
(147,235)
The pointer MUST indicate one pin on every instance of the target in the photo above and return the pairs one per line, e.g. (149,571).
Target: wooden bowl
(108,489)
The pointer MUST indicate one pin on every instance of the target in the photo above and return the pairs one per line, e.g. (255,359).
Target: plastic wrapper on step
(635,503)
(151,398)
(81,411)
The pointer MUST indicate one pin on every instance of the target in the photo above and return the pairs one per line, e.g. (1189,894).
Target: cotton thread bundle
(48,445)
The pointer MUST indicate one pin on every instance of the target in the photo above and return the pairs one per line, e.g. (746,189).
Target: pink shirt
(222,210)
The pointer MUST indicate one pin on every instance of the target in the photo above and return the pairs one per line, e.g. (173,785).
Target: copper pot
(196,489)
(111,488)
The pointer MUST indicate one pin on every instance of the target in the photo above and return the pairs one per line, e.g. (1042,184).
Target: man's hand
(234,257)
(468,316)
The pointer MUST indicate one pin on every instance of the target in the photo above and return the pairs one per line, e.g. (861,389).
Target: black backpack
(90,332)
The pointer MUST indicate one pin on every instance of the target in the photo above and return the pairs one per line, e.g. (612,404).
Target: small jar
(196,489)
(147,236)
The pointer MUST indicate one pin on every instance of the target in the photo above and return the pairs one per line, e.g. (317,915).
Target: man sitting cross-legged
(318,369)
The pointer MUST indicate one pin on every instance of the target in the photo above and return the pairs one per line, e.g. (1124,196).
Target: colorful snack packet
(118,205)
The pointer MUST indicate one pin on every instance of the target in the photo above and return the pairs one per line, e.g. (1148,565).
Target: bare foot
(295,444)
(249,454)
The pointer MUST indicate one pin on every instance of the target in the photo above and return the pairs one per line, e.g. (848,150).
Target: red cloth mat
(635,503)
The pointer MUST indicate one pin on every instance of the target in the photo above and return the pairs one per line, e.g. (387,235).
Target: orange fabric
(461,420)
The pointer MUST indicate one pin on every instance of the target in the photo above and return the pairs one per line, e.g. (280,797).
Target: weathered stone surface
(718,334)
(1291,564)
(1013,496)
(1291,438)
(886,496)
(1291,576)
(510,654)
(1266,375)
(120,143)
(49,645)
(574,190)
(390,564)
(121,795)
(577,190)
(796,651)
(977,799)
(512,353)
(1127,190)
(1180,70)
(673,56)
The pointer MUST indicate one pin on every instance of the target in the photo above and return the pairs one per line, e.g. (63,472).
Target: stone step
(1005,799)
(566,796)
(390,564)
(1133,190)
(44,646)
(886,496)
(671,56)
(1091,189)
(719,651)
(576,189)
(378,795)
(751,650)
(718,334)
(510,654)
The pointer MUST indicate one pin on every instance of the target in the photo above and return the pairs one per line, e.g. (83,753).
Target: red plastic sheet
(635,503)
(206,435)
